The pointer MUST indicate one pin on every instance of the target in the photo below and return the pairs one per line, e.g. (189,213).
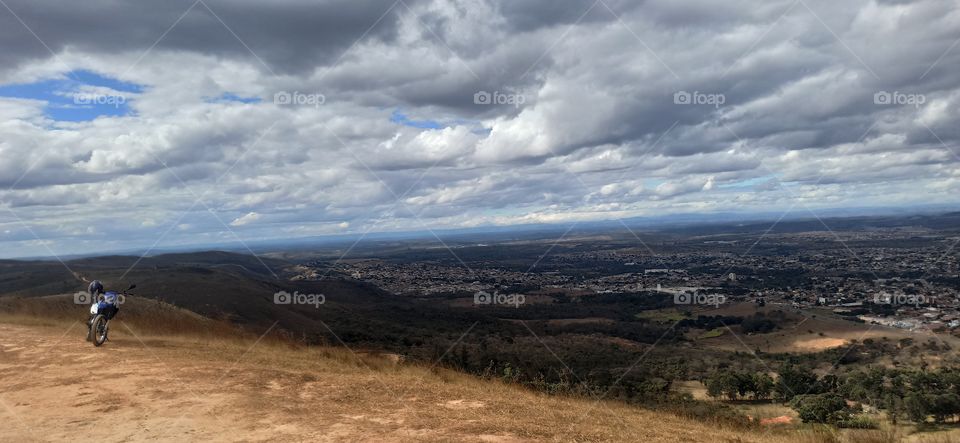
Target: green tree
(762,386)
(744,382)
(944,405)
(795,380)
(723,383)
(917,406)
(821,408)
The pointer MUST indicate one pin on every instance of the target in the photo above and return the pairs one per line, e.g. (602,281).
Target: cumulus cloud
(597,110)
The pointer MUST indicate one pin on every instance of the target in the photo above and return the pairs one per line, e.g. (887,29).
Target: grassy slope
(266,389)
(234,388)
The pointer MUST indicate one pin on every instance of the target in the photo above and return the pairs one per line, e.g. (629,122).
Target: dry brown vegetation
(148,315)
(169,374)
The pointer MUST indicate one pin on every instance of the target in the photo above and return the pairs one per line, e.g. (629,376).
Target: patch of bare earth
(817,344)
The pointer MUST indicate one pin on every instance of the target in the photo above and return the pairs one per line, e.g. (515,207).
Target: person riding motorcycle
(108,303)
(95,288)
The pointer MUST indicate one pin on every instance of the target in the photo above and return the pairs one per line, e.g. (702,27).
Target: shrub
(858,422)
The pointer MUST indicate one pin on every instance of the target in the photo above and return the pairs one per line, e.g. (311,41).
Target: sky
(166,124)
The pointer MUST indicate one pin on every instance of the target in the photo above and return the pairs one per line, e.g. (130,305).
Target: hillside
(240,289)
(170,374)
(203,336)
(55,386)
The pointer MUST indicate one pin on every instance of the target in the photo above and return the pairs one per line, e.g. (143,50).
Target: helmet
(95,288)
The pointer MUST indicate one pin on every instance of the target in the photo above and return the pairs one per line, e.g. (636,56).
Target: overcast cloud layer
(436,114)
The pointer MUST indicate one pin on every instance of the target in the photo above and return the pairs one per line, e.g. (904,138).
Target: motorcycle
(103,309)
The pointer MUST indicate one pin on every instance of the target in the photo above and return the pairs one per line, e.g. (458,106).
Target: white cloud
(598,135)
(250,217)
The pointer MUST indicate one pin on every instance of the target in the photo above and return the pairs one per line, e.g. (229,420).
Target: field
(810,331)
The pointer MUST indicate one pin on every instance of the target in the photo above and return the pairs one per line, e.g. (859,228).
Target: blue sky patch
(231,97)
(78,96)
(400,118)
(750,183)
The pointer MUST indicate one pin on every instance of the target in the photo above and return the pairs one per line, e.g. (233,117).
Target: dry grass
(145,316)
(273,389)
(301,393)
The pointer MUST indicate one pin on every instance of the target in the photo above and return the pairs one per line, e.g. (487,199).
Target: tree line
(918,395)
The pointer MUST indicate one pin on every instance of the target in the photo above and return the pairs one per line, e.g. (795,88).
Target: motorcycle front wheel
(98,329)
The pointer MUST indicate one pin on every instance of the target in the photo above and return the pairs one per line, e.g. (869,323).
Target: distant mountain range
(687,221)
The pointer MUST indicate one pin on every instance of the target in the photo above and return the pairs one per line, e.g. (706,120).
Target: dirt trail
(58,388)
(54,386)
